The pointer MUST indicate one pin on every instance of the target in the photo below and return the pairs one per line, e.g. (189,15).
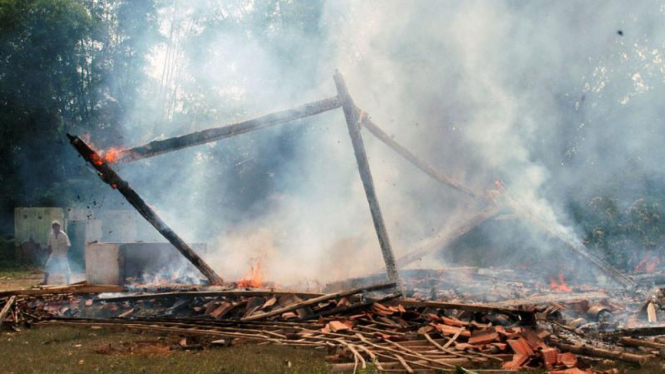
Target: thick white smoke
(546,97)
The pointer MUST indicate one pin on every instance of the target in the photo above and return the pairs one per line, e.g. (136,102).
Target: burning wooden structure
(356,119)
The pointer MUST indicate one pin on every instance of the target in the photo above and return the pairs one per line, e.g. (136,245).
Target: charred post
(352,121)
(158,147)
(110,177)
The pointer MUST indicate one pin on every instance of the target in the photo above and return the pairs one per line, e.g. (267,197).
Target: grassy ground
(19,277)
(61,350)
(13,273)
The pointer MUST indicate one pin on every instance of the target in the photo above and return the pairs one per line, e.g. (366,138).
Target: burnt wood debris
(370,325)
(360,119)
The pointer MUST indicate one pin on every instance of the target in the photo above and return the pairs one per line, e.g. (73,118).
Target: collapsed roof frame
(355,120)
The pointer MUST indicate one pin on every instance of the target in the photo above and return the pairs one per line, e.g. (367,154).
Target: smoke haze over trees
(560,101)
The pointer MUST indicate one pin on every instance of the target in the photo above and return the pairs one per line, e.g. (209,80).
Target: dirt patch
(141,348)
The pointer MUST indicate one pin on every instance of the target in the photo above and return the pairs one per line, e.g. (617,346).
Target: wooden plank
(352,121)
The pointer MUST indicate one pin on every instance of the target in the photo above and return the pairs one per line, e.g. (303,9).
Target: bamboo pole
(352,120)
(110,177)
(158,147)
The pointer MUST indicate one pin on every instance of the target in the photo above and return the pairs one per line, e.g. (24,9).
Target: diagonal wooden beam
(158,147)
(367,123)
(110,177)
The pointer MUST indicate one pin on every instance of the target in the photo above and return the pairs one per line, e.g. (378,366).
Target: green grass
(17,277)
(60,350)
(64,350)
(18,272)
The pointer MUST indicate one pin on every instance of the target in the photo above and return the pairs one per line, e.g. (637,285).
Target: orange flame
(254,276)
(561,285)
(112,154)
(96,159)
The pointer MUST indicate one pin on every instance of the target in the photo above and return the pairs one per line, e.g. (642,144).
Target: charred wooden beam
(367,123)
(158,147)
(448,236)
(352,120)
(110,177)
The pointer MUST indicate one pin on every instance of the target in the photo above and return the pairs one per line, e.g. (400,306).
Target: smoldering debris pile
(362,326)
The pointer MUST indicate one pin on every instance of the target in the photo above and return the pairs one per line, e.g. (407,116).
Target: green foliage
(66,66)
(623,226)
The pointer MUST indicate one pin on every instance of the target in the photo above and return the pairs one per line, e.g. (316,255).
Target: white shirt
(60,244)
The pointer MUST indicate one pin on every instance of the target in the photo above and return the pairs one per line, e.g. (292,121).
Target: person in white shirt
(58,245)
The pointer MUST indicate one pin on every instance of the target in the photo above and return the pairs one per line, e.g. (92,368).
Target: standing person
(58,245)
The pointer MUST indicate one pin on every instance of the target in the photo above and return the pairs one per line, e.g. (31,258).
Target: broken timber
(158,147)
(352,120)
(109,176)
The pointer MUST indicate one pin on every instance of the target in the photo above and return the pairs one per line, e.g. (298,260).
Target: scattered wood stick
(6,308)
(317,300)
